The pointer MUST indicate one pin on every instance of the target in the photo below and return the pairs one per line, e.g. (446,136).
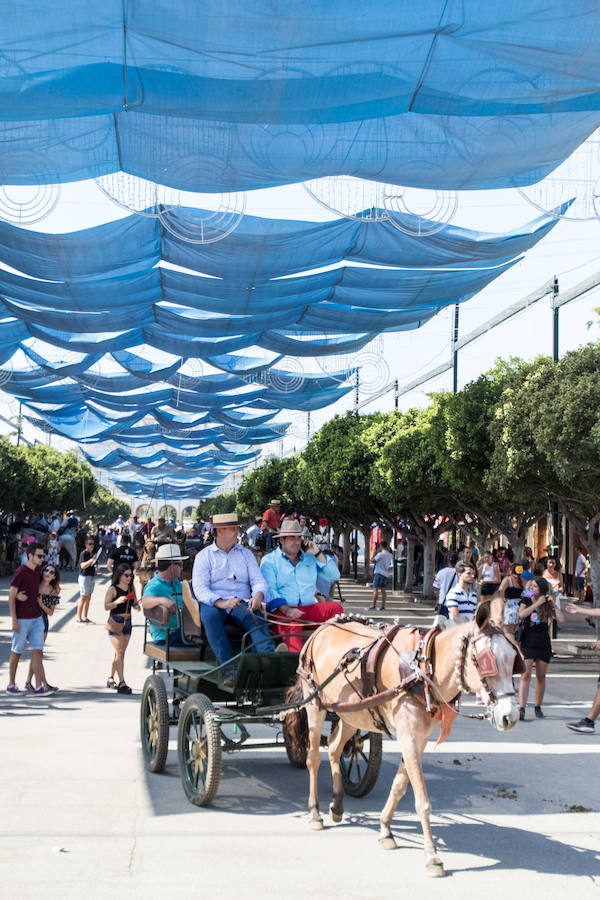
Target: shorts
(579,582)
(31,630)
(489,588)
(86,585)
(126,630)
(379,581)
(45,621)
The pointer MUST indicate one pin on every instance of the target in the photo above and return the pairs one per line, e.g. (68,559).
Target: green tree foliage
(265,483)
(546,434)
(41,478)
(104,507)
(222,503)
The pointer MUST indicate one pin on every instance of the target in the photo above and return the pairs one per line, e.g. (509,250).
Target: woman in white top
(489,575)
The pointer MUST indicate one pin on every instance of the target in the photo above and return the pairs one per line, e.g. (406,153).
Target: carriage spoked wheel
(199,750)
(360,762)
(154,723)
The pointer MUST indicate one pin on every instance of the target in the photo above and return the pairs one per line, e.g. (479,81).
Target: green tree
(408,476)
(546,434)
(261,485)
(211,506)
(15,486)
(104,507)
(57,480)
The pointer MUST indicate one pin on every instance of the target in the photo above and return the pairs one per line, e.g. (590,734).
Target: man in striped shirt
(461,600)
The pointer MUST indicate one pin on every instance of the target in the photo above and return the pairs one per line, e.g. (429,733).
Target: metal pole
(454,350)
(357,391)
(396,389)
(355,554)
(555,310)
(19,424)
(308,426)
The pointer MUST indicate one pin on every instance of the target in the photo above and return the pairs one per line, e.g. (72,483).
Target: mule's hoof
(335,817)
(435,869)
(317,824)
(387,843)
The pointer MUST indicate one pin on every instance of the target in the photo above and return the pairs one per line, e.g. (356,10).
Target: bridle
(484,662)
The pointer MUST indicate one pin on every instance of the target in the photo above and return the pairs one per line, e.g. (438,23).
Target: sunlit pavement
(82,818)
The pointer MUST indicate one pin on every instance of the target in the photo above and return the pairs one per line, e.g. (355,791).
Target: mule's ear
(497,609)
(482,614)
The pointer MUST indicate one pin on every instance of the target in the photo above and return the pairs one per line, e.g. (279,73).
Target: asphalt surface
(82,818)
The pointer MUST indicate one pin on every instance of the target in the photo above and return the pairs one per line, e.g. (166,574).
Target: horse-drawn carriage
(213,718)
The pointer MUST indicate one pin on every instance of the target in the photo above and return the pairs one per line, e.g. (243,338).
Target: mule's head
(491,661)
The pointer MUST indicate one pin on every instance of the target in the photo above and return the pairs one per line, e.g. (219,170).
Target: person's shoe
(281,648)
(43,690)
(111,683)
(13,689)
(229,673)
(522,713)
(123,688)
(538,712)
(29,687)
(52,687)
(584,726)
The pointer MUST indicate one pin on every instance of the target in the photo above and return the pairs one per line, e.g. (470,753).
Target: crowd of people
(526,596)
(274,579)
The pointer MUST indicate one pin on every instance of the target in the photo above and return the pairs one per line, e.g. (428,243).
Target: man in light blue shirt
(291,576)
(229,586)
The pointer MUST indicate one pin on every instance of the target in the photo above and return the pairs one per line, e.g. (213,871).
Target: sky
(571,252)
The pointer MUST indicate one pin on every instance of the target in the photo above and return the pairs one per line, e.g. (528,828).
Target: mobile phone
(303,546)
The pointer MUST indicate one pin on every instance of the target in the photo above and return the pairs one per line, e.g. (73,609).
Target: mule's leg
(399,785)
(337,741)
(412,754)
(316,718)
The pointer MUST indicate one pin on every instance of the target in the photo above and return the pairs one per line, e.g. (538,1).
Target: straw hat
(170,552)
(274,502)
(222,520)
(290,528)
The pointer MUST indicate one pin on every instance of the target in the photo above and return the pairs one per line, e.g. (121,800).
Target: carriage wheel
(199,750)
(360,762)
(154,723)
(295,735)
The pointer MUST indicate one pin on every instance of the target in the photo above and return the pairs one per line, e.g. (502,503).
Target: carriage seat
(192,653)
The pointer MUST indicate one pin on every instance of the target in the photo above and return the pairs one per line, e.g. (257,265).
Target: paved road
(81,817)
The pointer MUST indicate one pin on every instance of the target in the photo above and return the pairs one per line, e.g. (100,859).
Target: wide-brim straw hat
(222,520)
(169,552)
(274,502)
(290,528)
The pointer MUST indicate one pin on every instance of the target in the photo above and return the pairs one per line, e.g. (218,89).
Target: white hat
(169,552)
(290,528)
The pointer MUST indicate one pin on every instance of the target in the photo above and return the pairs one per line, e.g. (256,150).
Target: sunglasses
(38,555)
(127,575)
(49,571)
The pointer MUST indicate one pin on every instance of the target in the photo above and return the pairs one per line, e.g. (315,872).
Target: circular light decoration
(202,218)
(234,433)
(26,204)
(287,378)
(374,372)
(189,375)
(138,195)
(350,197)
(6,372)
(577,177)
(278,148)
(417,211)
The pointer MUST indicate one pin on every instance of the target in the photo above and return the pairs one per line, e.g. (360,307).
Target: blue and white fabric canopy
(100,328)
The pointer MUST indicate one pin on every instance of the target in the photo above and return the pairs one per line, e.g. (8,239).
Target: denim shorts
(579,582)
(45,621)
(379,581)
(127,629)
(31,630)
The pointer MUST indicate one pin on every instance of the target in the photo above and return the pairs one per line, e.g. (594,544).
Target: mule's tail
(295,727)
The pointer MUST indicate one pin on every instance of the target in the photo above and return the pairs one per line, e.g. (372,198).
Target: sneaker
(43,690)
(584,726)
(29,687)
(229,674)
(52,687)
(13,689)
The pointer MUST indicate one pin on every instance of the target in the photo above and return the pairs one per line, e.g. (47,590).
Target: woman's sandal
(111,683)
(123,688)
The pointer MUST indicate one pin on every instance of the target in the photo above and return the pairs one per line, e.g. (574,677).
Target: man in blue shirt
(164,589)
(229,586)
(291,576)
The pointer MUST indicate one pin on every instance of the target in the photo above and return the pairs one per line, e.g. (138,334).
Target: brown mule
(475,657)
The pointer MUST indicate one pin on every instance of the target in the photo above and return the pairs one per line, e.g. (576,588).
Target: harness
(415,670)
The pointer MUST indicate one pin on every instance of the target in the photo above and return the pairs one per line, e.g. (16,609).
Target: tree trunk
(429,546)
(347,555)
(366,533)
(593,547)
(410,559)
